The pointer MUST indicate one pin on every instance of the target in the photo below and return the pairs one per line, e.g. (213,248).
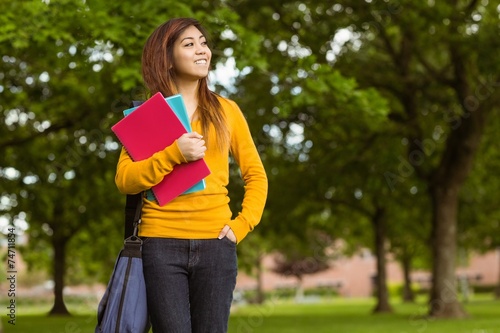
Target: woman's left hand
(227,232)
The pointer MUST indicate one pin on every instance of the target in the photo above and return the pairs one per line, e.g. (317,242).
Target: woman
(189,249)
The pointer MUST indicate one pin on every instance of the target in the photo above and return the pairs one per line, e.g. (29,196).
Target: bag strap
(133,205)
(133,209)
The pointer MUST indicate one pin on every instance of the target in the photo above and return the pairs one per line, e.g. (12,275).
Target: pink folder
(152,127)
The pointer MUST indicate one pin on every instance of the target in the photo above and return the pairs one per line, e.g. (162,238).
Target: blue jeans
(189,283)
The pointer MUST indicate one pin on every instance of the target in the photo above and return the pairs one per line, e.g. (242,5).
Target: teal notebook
(177,104)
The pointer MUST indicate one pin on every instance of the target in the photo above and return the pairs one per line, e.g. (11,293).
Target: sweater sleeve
(134,177)
(253,173)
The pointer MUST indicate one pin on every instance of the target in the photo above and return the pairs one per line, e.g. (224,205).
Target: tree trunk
(382,293)
(408,294)
(497,290)
(260,283)
(59,247)
(299,293)
(443,298)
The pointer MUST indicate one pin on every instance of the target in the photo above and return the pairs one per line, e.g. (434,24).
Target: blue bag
(123,308)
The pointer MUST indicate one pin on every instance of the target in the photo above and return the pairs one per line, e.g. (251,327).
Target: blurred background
(376,121)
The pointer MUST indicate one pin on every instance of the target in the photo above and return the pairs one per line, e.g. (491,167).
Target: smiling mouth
(201,62)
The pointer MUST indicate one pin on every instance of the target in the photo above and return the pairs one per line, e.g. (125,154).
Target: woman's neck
(189,92)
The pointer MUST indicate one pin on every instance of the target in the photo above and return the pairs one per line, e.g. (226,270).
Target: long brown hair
(159,75)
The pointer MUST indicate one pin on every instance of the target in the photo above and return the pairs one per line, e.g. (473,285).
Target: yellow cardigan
(202,214)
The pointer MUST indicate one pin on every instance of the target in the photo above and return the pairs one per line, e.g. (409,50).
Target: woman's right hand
(192,146)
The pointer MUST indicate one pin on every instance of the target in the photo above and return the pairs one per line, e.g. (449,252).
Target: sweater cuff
(240,229)
(172,155)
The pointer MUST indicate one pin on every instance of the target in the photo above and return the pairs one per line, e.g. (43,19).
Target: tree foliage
(423,58)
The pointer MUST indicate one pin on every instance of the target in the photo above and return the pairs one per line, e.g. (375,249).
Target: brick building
(353,276)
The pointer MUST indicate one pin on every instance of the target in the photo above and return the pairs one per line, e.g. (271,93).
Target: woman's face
(191,55)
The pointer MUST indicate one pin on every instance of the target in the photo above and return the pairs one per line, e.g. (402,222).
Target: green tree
(423,57)
(50,98)
(317,120)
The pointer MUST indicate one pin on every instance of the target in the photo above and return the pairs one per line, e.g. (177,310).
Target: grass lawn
(345,316)
(335,316)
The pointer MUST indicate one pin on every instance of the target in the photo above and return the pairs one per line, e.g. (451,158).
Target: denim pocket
(227,240)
